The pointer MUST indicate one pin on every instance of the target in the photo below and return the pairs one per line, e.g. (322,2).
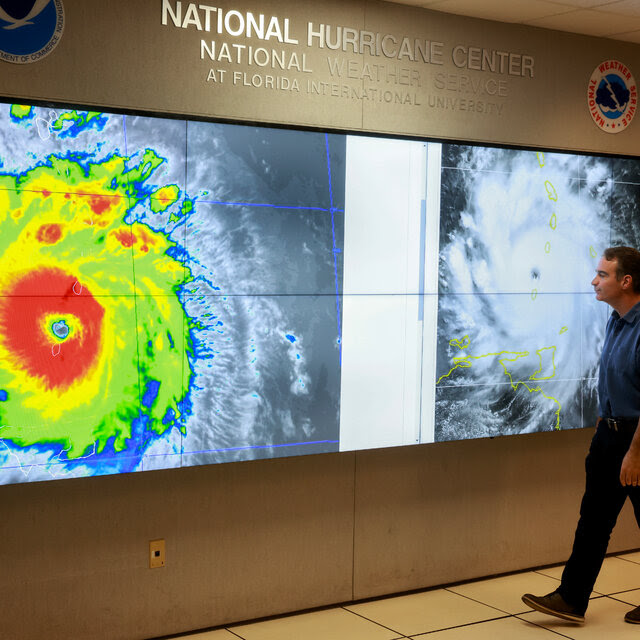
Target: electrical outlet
(156,554)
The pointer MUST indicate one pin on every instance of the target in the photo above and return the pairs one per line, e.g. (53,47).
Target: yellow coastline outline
(465,362)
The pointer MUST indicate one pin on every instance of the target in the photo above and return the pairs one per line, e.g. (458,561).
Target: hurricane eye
(60,329)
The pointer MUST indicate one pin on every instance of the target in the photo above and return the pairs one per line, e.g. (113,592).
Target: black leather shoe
(633,616)
(554,604)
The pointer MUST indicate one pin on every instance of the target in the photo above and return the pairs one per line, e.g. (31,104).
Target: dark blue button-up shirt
(619,379)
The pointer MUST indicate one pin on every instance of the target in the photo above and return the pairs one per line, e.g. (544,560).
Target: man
(613,462)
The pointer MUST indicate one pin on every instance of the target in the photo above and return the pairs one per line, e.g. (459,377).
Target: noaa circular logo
(29,29)
(612,96)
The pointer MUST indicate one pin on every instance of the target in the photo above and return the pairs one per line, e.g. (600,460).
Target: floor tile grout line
(626,560)
(379,624)
(540,626)
(612,597)
(294,614)
(617,593)
(546,575)
(507,613)
(460,626)
(599,594)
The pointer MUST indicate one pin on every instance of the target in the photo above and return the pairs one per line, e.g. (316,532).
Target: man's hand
(630,470)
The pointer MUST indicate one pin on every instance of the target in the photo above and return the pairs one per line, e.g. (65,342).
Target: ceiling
(617,19)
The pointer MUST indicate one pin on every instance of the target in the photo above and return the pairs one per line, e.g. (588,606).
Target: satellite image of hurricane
(519,330)
(170,292)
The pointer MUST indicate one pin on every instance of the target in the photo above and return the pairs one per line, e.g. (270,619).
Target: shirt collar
(632,315)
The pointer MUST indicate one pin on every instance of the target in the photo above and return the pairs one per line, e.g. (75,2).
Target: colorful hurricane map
(136,331)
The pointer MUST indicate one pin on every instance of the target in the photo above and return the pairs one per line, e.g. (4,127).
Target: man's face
(606,286)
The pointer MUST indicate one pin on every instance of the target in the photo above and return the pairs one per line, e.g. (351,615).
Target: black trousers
(603,499)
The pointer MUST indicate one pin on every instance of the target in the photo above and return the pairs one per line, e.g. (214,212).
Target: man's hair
(628,260)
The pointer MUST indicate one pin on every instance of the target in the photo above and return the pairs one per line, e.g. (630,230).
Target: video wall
(178,293)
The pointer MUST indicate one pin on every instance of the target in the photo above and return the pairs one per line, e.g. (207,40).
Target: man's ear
(627,281)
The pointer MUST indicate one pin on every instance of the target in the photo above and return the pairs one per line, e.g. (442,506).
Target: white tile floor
(483,610)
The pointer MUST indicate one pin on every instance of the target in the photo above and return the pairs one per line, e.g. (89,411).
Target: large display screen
(178,293)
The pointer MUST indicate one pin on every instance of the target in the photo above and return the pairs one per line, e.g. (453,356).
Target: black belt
(621,424)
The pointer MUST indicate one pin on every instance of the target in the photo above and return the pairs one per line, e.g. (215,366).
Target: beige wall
(254,539)
(259,538)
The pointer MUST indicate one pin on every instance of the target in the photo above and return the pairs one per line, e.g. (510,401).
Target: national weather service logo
(612,96)
(29,29)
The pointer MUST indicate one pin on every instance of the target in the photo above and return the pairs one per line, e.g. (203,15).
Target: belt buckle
(612,423)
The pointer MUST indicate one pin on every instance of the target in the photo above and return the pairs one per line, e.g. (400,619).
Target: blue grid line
(133,266)
(75,462)
(249,447)
(90,461)
(256,204)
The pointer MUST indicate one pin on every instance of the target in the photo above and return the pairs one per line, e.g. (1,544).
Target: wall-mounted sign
(245,50)
(612,96)
(29,29)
